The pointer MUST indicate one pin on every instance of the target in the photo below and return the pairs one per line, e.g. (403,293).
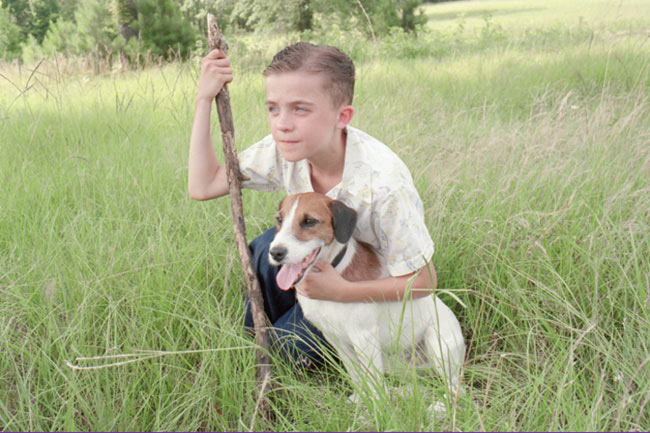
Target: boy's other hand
(215,72)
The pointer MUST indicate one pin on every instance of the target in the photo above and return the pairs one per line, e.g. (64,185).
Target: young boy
(309,90)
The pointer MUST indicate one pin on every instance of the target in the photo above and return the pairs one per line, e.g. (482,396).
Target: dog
(312,227)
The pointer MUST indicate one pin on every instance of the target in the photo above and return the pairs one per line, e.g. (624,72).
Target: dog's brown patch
(365,265)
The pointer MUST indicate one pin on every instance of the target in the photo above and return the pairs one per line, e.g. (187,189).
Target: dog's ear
(344,219)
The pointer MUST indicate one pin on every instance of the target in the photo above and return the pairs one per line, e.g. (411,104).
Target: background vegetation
(127,29)
(526,125)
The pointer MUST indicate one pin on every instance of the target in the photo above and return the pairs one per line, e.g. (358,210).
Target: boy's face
(303,119)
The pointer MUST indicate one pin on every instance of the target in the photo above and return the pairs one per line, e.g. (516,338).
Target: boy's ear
(345,115)
(343,219)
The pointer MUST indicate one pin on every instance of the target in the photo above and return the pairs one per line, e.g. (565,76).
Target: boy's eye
(273,109)
(301,110)
(309,222)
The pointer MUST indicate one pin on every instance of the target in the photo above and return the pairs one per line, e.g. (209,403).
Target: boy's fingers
(216,54)
(221,64)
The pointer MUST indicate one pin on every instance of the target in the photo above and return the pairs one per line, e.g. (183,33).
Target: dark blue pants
(295,337)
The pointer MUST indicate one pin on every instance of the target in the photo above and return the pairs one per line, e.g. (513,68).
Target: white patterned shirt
(375,182)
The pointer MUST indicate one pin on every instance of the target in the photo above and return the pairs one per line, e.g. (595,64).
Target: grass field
(528,136)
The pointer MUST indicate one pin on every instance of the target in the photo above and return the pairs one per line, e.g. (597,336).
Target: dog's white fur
(423,331)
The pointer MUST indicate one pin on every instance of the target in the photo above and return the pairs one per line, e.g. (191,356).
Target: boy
(309,90)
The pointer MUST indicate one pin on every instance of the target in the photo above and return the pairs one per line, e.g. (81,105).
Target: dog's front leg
(352,366)
(370,364)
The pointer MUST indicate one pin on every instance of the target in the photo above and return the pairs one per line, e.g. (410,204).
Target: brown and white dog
(367,335)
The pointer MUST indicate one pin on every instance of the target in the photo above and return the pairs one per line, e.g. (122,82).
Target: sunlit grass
(533,165)
(517,16)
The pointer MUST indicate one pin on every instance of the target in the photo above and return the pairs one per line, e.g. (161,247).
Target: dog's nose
(278,253)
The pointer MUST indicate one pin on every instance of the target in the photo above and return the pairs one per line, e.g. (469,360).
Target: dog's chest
(339,321)
(337,318)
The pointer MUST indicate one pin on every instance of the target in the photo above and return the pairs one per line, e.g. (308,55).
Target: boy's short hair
(318,59)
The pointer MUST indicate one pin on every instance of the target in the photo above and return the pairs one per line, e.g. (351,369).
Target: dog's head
(310,227)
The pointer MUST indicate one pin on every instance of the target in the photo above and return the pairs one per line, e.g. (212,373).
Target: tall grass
(534,168)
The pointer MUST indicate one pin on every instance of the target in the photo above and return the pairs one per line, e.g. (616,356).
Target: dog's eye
(309,222)
(278,219)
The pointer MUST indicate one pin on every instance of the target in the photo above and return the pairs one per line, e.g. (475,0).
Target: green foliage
(42,13)
(262,15)
(19,9)
(387,14)
(10,36)
(97,31)
(32,50)
(33,16)
(67,8)
(306,15)
(163,30)
(384,15)
(93,31)
(195,12)
(61,37)
(124,12)
(166,26)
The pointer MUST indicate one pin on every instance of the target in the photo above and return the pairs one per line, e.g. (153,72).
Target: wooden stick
(216,40)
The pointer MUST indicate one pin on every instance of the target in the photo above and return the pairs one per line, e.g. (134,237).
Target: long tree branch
(216,40)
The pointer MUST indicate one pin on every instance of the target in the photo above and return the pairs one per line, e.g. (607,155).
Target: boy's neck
(326,169)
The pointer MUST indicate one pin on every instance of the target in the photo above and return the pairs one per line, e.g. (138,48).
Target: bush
(9,36)
(97,29)
(61,37)
(163,30)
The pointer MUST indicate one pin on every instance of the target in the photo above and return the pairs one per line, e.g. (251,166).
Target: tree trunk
(125,14)
(305,15)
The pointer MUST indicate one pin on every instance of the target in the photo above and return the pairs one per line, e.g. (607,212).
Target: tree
(409,19)
(67,8)
(195,12)
(19,9)
(10,36)
(383,14)
(96,26)
(289,15)
(162,28)
(33,16)
(40,14)
(305,16)
(125,14)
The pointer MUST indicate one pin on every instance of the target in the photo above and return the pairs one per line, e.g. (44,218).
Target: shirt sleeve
(260,165)
(404,240)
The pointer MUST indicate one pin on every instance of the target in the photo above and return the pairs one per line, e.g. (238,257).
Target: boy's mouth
(292,273)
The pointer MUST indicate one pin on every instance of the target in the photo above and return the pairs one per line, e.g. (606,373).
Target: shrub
(9,36)
(162,28)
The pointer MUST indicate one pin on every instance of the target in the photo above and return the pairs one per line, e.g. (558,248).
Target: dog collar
(339,257)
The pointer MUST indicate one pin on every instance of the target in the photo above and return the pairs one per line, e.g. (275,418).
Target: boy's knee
(296,349)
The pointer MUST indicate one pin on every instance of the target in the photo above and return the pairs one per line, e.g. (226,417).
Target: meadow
(526,126)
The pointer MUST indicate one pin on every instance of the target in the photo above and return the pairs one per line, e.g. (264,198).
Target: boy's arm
(206,176)
(330,285)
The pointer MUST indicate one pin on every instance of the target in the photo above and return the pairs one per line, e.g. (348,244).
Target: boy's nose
(284,123)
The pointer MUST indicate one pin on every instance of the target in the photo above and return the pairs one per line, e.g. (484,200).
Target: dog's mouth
(292,273)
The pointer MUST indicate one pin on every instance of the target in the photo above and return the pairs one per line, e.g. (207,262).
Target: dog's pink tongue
(288,275)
